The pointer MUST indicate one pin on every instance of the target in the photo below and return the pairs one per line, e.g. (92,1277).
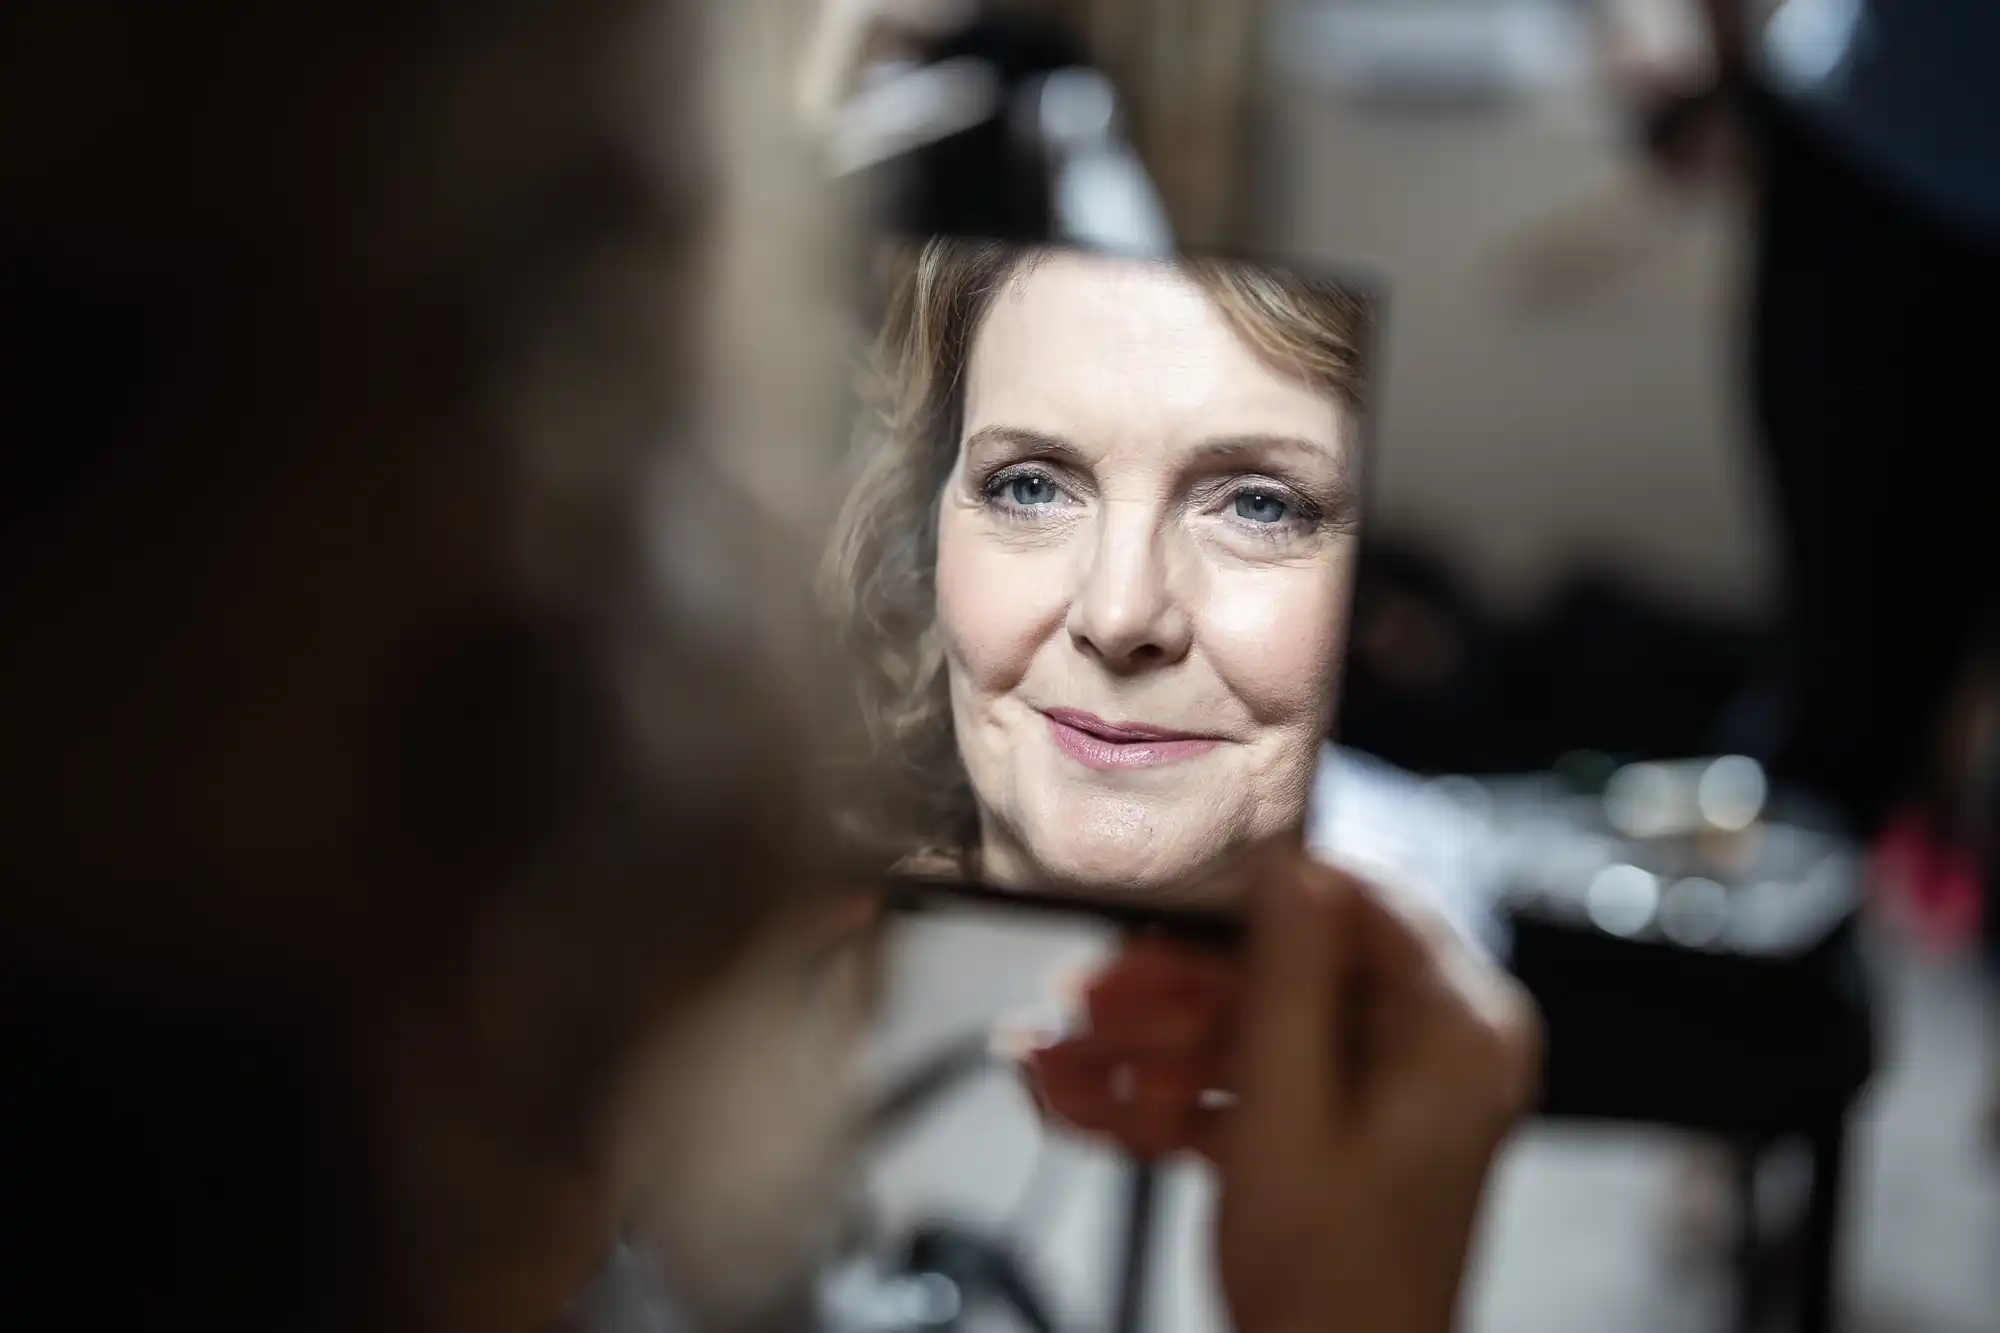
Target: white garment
(1430,837)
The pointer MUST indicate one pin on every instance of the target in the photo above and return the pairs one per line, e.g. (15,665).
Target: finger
(1207,1130)
(1290,1011)
(1460,1046)
(1082,1075)
(1403,942)
(1437,1014)
(1176,1075)
(1021,1033)
(1157,994)
(1145,970)
(1151,1133)
(1164,1024)
(1147,1118)
(1396,932)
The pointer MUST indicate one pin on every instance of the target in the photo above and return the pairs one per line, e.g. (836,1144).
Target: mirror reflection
(1096,558)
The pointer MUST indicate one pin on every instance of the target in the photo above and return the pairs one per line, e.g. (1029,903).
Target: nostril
(1137,656)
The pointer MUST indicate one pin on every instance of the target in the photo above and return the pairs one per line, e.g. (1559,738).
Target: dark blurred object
(1436,685)
(999,128)
(341,343)
(938,1277)
(987,1273)
(192,1124)
(1706,979)
(1989,854)
(1421,670)
(1985,821)
(1192,76)
(992,179)
(1762,1052)
(1605,666)
(1926,879)
(1689,131)
(1880,464)
(1982,819)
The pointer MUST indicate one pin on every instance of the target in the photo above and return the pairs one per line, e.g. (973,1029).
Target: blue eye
(1261,507)
(1029,489)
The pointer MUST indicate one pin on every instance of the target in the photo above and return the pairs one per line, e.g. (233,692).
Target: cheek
(995,605)
(1275,637)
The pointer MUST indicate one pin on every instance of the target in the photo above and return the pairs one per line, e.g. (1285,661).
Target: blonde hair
(878,579)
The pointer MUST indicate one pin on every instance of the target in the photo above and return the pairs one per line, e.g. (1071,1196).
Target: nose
(1128,610)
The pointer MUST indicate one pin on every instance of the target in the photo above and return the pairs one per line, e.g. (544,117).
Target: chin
(1135,858)
(1129,843)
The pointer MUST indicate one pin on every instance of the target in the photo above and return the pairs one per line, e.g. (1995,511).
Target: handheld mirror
(1094,567)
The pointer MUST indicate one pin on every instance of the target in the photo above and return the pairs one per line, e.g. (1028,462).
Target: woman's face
(1143,555)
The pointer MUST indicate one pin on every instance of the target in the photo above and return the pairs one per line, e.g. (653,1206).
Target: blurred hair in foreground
(403,710)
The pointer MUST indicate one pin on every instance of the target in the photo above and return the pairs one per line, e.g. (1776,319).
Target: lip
(1115,747)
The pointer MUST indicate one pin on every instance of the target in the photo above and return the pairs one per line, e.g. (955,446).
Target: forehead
(1098,349)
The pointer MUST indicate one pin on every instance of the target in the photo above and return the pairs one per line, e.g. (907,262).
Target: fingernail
(1010,1045)
(1018,1036)
(1068,984)
(1124,1083)
(1215,1099)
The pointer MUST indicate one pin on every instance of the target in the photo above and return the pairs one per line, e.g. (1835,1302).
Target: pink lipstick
(1113,747)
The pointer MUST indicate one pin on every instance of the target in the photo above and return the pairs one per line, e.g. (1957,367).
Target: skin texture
(1149,523)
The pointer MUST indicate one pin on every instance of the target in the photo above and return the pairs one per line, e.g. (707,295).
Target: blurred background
(1570,572)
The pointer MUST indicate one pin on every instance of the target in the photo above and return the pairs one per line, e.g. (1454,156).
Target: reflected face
(1144,549)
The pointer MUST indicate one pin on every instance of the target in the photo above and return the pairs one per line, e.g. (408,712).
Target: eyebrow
(1220,448)
(1223,448)
(1020,437)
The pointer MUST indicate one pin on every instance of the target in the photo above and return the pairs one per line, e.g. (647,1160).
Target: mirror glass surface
(1096,557)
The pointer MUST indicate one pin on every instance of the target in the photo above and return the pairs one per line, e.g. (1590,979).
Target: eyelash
(1301,512)
(993,492)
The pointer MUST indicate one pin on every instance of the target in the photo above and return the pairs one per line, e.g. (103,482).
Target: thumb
(1290,1076)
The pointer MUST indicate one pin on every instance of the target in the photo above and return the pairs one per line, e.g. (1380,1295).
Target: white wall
(1522,437)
